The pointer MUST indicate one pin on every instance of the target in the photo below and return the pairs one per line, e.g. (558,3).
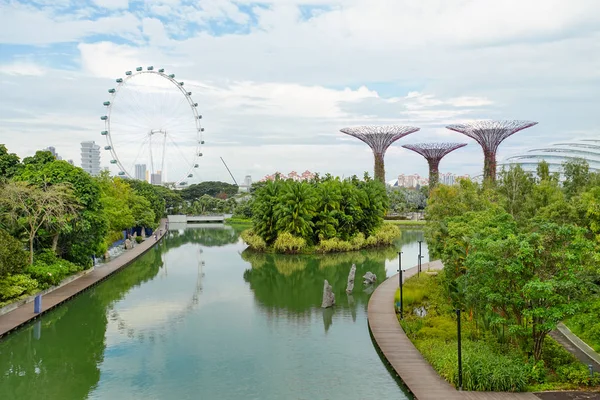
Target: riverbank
(24,313)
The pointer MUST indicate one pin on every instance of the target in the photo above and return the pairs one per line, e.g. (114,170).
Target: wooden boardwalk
(416,373)
(23,314)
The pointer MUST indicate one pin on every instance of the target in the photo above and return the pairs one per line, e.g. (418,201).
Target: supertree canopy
(433,153)
(379,138)
(489,134)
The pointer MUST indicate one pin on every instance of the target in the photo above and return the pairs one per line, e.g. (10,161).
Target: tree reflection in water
(61,361)
(293,284)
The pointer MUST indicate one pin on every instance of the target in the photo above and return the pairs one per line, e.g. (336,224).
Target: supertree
(379,138)
(489,134)
(433,153)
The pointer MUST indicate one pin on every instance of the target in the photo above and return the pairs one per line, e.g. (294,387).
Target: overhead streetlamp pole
(459,350)
(400,283)
(420,256)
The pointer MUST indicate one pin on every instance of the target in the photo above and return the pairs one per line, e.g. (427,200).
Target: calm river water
(199,318)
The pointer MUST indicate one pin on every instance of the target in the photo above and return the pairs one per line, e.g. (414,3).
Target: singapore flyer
(152,128)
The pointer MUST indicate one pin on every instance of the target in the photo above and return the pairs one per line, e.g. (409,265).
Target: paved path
(576,346)
(416,373)
(20,316)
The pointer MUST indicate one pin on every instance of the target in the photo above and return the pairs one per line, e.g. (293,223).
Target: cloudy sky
(276,80)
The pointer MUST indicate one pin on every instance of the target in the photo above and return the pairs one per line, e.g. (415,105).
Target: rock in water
(350,286)
(128,244)
(328,296)
(370,278)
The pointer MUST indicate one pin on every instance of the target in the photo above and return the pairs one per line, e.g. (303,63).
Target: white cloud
(276,97)
(22,68)
(112,4)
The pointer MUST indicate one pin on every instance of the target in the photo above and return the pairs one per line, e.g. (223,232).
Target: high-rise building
(52,150)
(248,181)
(140,172)
(156,179)
(90,157)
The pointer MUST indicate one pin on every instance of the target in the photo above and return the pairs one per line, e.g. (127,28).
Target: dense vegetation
(324,214)
(520,256)
(490,362)
(54,218)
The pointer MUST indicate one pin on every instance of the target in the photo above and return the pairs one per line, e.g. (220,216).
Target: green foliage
(14,287)
(253,240)
(518,254)
(487,364)
(207,205)
(84,235)
(209,188)
(483,368)
(155,197)
(328,213)
(51,274)
(139,239)
(13,258)
(288,243)
(9,164)
(586,324)
(243,210)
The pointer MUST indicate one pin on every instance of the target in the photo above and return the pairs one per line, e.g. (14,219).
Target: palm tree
(295,209)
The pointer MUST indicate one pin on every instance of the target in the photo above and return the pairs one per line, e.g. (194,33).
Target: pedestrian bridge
(198,219)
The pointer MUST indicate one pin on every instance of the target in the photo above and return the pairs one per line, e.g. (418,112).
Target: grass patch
(238,221)
(488,364)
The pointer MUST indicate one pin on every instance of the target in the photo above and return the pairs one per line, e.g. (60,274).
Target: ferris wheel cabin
(150,68)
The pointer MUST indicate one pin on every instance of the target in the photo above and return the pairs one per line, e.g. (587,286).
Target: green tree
(577,177)
(153,194)
(264,219)
(9,164)
(515,186)
(531,281)
(35,207)
(86,235)
(295,209)
(13,259)
(210,188)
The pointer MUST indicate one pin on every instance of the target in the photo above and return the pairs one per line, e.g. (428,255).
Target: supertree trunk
(434,173)
(379,167)
(489,166)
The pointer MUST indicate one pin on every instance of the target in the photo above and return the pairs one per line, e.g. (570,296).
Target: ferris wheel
(152,128)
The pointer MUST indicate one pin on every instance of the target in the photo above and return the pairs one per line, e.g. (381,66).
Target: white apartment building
(90,157)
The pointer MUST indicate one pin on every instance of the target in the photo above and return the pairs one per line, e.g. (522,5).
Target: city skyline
(283,111)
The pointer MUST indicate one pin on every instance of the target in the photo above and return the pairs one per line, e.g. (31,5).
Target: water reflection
(57,356)
(198,317)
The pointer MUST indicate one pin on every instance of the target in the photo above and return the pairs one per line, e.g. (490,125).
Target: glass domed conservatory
(558,153)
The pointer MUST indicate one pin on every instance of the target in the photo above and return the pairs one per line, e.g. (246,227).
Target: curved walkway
(25,313)
(418,375)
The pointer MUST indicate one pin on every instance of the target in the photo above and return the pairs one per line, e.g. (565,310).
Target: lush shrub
(139,239)
(483,368)
(586,324)
(254,241)
(14,286)
(13,258)
(288,243)
(384,235)
(334,245)
(52,274)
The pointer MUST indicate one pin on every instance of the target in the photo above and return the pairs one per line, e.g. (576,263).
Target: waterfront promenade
(416,373)
(25,313)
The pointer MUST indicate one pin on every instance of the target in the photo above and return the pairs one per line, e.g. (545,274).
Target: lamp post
(420,256)
(459,350)
(400,283)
